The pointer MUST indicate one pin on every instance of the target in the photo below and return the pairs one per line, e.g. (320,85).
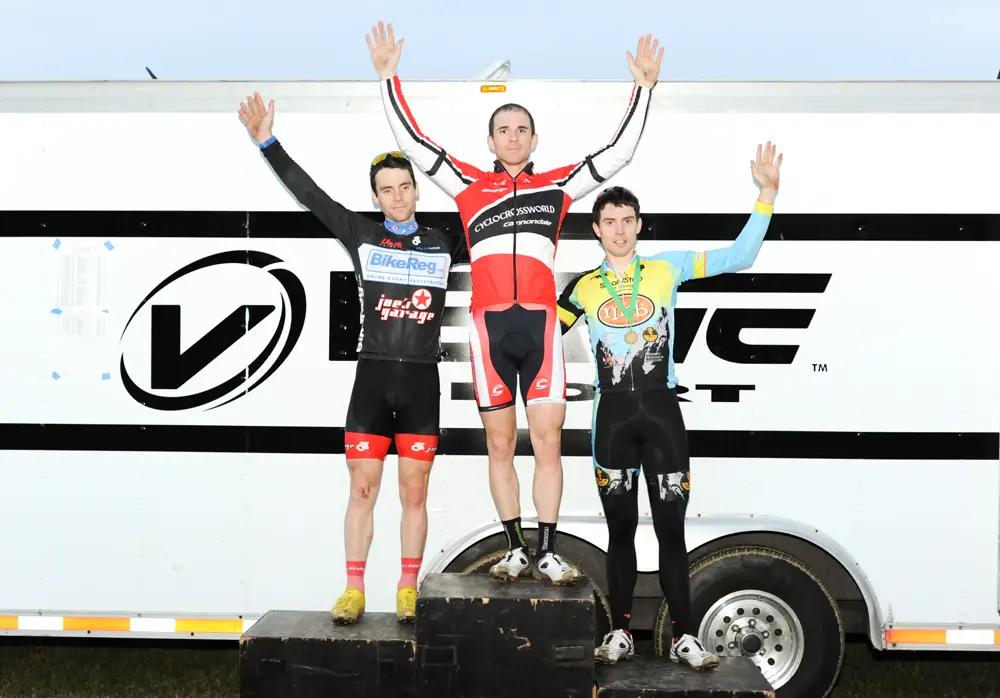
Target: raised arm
(583,177)
(446,171)
(339,220)
(741,254)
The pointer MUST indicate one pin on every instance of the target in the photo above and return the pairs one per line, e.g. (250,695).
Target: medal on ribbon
(628,311)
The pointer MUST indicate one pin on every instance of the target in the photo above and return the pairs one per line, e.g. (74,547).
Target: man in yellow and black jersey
(628,305)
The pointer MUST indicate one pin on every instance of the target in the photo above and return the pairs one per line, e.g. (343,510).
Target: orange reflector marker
(96,624)
(492,88)
(209,626)
(906,636)
(8,622)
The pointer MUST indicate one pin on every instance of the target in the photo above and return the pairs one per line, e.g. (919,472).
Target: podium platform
(304,654)
(479,638)
(658,677)
(473,638)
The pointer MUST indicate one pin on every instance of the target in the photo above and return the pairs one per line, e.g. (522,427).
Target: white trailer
(179,477)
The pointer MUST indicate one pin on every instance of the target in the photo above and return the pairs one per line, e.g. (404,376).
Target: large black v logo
(170,368)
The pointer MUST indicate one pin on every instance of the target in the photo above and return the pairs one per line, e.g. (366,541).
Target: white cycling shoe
(514,564)
(689,651)
(617,645)
(553,568)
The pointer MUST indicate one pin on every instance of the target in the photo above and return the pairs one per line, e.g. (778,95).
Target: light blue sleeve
(736,257)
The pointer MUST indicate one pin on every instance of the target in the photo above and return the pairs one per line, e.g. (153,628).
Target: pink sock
(411,567)
(356,575)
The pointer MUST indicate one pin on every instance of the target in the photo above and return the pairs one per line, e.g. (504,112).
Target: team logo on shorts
(602,478)
(649,334)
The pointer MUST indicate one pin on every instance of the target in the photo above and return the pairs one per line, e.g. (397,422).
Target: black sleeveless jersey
(401,271)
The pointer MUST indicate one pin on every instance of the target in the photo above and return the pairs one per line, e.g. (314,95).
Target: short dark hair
(391,161)
(511,106)
(614,196)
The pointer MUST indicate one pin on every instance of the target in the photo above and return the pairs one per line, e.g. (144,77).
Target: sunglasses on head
(392,153)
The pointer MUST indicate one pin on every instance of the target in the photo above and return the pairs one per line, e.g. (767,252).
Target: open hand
(384,49)
(256,118)
(645,67)
(766,170)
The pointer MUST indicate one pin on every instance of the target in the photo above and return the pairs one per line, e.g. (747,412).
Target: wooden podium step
(658,677)
(473,638)
(303,654)
(479,638)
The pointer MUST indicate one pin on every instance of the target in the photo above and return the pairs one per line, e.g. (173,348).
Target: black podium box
(658,677)
(479,638)
(304,654)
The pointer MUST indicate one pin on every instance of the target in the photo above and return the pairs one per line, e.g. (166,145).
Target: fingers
(392,40)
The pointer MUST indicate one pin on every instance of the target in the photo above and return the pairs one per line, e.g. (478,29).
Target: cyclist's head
(512,134)
(616,221)
(394,188)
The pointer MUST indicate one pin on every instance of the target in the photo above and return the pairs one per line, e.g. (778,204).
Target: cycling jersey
(512,224)
(636,353)
(401,269)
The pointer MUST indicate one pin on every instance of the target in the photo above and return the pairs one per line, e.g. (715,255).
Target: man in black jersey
(628,304)
(402,274)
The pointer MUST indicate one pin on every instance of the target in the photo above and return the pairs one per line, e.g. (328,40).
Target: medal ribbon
(629,312)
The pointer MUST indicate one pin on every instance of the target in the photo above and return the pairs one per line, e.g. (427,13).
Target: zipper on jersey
(514,200)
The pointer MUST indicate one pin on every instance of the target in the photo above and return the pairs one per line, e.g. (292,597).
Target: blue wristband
(268,142)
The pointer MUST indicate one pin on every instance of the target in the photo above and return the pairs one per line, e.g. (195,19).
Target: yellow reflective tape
(98,624)
(194,625)
(8,622)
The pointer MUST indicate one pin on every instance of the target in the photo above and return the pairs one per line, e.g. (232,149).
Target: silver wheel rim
(758,625)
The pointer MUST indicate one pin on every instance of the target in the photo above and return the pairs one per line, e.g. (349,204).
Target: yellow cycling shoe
(406,604)
(349,607)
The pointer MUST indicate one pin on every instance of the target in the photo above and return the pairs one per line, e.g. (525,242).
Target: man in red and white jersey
(512,216)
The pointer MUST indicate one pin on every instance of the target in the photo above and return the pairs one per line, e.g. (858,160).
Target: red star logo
(422,299)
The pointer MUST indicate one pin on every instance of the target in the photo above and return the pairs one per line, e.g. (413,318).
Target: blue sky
(315,40)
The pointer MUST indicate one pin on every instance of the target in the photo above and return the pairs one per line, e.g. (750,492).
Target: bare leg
(414,476)
(545,421)
(501,439)
(359,521)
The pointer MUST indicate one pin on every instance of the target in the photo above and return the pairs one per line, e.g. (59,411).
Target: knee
(501,445)
(363,492)
(622,520)
(668,517)
(413,495)
(546,443)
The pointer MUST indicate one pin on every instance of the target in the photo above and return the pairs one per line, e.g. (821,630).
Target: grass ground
(88,669)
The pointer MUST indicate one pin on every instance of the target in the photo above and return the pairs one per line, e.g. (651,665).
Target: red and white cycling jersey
(512,224)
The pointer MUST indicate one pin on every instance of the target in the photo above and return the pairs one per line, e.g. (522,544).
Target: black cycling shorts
(393,399)
(640,428)
(520,341)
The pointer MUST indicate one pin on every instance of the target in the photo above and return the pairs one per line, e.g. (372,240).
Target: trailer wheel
(602,610)
(768,606)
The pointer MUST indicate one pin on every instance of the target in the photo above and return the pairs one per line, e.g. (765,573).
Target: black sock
(546,538)
(515,539)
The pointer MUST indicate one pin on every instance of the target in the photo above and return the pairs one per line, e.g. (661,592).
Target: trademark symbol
(819,368)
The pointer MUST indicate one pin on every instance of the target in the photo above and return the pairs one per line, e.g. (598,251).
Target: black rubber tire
(735,569)
(602,610)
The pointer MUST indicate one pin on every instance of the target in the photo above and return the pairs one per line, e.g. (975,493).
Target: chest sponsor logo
(611,315)
(508,215)
(407,268)
(413,308)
